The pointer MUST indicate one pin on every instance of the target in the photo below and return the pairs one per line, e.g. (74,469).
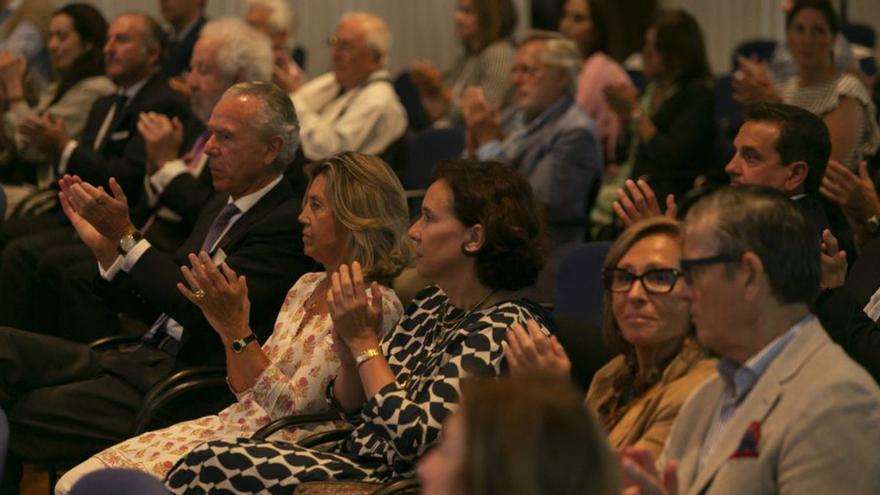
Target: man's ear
(751,276)
(797,175)
(273,149)
(475,239)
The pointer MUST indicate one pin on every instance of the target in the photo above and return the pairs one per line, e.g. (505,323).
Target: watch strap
(239,345)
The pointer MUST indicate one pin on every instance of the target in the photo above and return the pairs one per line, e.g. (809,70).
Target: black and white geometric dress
(394,427)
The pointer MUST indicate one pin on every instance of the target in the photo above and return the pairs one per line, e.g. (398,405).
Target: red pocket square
(748,446)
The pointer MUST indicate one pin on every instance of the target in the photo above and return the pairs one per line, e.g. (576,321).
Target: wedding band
(199,294)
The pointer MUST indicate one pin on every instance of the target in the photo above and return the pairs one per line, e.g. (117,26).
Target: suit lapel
(760,402)
(281,192)
(697,424)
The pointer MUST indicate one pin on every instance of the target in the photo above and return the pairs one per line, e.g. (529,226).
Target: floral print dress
(302,364)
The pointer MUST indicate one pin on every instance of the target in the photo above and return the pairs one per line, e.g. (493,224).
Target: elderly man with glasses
(353,107)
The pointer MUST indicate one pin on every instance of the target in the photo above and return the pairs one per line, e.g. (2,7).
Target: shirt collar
(132,90)
(557,106)
(740,378)
(248,201)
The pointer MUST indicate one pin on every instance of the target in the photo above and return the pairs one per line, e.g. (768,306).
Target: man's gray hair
(559,53)
(277,117)
(282,18)
(376,33)
(243,53)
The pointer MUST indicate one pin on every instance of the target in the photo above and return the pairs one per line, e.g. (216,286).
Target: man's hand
(47,133)
(108,215)
(103,248)
(855,194)
(483,120)
(636,201)
(162,139)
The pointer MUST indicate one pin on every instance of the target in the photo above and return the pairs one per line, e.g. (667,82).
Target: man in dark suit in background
(111,146)
(66,399)
(186,17)
(177,187)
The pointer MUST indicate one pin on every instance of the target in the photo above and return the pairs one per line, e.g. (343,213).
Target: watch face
(237,346)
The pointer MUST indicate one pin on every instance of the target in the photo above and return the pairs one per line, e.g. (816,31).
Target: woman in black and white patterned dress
(479,238)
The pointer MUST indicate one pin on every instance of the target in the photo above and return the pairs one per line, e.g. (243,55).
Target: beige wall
(423,28)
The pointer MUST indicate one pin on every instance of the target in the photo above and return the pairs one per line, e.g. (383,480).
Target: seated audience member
(783,65)
(355,210)
(779,146)
(647,319)
(353,107)
(670,128)
(840,98)
(544,135)
(54,293)
(519,437)
(276,19)
(479,239)
(585,23)
(186,18)
(485,28)
(790,412)
(77,33)
(110,144)
(69,400)
(24,27)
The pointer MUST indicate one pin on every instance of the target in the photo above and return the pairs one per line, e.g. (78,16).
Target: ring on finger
(199,294)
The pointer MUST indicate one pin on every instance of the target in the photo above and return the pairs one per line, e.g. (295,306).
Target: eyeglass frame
(687,265)
(606,279)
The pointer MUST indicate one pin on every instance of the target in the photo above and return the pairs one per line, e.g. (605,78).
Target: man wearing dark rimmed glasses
(353,107)
(789,411)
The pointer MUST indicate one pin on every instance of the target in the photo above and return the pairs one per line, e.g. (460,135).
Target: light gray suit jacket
(819,416)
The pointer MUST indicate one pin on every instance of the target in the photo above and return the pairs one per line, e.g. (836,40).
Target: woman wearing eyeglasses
(646,318)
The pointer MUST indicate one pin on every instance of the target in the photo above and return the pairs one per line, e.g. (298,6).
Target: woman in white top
(77,33)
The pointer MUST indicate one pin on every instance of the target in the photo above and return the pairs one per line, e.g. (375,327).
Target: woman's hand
(356,317)
(530,352)
(222,297)
(622,99)
(13,71)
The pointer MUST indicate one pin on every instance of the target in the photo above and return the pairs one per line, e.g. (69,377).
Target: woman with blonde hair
(354,211)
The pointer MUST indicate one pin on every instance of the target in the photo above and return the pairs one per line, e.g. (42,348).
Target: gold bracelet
(365,355)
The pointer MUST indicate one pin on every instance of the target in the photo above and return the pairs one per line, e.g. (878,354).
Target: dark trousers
(66,401)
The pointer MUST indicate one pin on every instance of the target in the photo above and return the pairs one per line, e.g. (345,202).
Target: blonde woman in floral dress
(355,210)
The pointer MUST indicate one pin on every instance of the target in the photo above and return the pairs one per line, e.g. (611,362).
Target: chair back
(578,310)
(860,34)
(2,204)
(579,282)
(411,100)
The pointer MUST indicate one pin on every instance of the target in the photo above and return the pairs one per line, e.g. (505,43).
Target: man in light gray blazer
(789,411)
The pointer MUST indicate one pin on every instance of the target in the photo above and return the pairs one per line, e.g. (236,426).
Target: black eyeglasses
(688,265)
(656,281)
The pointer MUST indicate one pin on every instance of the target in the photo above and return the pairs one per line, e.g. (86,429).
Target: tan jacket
(647,422)
(818,414)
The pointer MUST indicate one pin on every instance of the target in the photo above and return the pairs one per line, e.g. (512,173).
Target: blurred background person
(24,26)
(77,33)
(586,23)
(277,20)
(558,447)
(671,127)
(485,28)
